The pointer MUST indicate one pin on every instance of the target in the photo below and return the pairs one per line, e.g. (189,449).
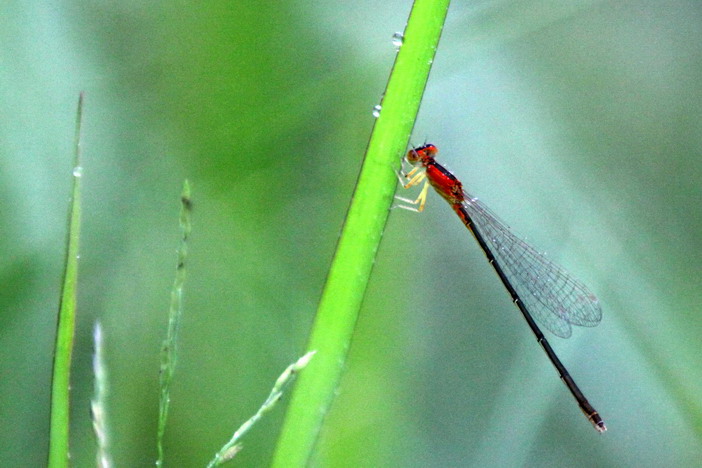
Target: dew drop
(77,171)
(397,39)
(376,111)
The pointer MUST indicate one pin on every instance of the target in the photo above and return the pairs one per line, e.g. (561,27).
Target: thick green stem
(361,235)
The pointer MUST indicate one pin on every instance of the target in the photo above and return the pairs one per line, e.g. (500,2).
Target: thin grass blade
(65,329)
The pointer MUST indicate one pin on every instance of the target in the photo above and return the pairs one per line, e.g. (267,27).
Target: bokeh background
(578,122)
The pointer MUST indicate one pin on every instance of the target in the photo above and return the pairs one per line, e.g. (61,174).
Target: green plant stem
(169,348)
(353,261)
(231,448)
(65,329)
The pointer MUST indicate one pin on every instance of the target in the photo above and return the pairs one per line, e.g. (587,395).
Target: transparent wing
(554,298)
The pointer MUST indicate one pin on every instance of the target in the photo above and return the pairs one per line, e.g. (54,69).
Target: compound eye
(429,150)
(423,152)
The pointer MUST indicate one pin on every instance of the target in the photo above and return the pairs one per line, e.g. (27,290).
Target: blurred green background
(578,122)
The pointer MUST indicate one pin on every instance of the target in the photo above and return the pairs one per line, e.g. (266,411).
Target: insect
(542,290)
